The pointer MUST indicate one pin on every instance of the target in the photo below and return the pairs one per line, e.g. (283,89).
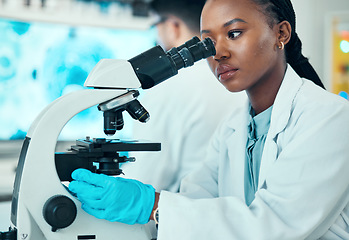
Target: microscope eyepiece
(203,49)
(187,44)
(155,66)
(186,56)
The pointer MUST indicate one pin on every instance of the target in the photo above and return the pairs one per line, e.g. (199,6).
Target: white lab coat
(304,176)
(184,113)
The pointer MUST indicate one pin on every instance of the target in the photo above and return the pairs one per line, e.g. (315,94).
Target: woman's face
(246,45)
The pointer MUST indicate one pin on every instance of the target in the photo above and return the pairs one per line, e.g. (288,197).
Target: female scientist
(278,168)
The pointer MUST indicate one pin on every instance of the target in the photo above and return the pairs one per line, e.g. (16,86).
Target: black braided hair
(282,10)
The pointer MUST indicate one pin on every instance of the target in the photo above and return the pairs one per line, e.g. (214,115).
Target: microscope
(42,207)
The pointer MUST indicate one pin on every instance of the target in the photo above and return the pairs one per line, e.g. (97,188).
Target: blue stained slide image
(67,62)
(9,56)
(40,62)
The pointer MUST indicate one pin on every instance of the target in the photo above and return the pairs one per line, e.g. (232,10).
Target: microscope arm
(39,172)
(105,73)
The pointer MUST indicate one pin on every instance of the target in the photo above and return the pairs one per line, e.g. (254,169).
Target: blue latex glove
(113,198)
(344,95)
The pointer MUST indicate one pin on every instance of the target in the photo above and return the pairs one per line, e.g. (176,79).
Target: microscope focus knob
(59,212)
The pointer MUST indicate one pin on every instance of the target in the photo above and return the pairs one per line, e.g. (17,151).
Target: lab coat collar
(236,145)
(280,116)
(283,102)
(236,118)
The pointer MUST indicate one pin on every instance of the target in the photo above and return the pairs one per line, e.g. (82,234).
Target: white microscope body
(42,207)
(39,181)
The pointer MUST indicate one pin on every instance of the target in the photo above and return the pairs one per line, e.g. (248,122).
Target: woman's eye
(234,34)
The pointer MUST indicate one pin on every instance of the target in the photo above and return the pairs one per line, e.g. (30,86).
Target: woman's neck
(262,95)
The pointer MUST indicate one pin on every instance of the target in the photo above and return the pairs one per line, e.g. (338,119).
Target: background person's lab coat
(184,112)
(304,175)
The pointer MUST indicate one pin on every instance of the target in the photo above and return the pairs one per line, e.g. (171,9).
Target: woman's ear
(284,32)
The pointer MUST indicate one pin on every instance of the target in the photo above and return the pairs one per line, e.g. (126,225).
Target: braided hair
(282,10)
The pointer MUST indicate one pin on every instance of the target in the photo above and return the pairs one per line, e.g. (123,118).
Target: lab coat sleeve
(305,191)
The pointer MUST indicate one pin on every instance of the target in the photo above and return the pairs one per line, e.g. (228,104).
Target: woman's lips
(226,75)
(225,72)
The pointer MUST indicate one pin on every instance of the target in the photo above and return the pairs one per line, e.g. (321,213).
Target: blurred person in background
(184,110)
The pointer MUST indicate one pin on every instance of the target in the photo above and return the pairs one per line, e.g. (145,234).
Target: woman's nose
(222,51)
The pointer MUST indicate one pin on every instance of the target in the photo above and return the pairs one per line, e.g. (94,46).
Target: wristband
(156,216)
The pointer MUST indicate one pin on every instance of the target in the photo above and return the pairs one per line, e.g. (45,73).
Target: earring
(282,46)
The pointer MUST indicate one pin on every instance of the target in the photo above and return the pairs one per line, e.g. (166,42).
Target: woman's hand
(113,198)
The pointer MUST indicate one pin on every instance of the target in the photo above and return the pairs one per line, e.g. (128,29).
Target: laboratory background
(48,48)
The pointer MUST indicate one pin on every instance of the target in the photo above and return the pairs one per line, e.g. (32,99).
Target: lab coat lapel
(236,145)
(280,117)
